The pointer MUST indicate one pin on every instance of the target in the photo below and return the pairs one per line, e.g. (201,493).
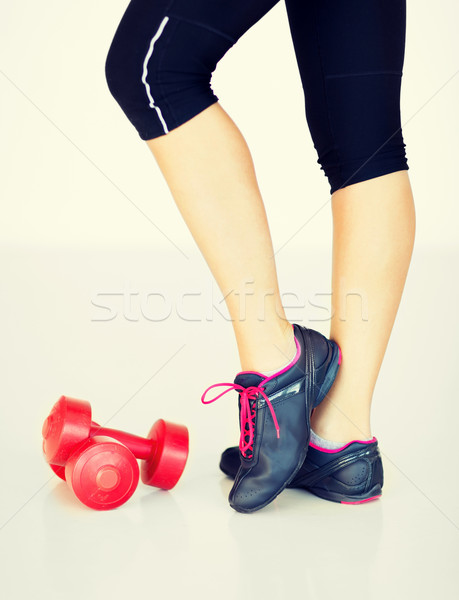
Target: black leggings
(350,56)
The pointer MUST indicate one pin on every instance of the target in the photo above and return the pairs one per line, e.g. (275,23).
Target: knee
(361,134)
(162,79)
(133,78)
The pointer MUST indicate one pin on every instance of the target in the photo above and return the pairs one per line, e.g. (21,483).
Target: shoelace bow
(247,394)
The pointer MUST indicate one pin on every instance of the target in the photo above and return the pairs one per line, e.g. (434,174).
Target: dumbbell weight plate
(102,473)
(68,424)
(167,461)
(60,470)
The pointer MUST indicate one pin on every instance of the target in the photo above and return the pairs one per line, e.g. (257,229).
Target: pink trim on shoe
(327,451)
(340,356)
(289,366)
(362,501)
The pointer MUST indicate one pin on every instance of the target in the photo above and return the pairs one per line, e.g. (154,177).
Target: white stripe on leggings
(145,72)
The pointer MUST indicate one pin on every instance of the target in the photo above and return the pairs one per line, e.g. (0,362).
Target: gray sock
(325,444)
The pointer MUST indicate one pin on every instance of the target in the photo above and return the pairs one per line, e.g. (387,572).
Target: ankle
(269,351)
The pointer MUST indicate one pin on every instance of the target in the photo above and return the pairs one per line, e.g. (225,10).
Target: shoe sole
(369,496)
(373,494)
(330,376)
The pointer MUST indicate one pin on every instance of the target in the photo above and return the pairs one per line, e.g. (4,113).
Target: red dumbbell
(100,463)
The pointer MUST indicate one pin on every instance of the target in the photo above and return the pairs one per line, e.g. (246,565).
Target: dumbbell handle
(139,446)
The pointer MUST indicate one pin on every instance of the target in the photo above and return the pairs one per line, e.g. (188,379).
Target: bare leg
(374,225)
(210,173)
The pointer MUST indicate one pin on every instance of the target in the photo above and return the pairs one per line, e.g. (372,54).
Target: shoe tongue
(248,379)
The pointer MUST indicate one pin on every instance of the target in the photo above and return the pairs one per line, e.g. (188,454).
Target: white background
(85,212)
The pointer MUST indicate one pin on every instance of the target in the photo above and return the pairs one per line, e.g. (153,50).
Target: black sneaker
(274,415)
(352,474)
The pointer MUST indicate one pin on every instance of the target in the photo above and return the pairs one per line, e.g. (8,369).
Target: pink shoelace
(247,394)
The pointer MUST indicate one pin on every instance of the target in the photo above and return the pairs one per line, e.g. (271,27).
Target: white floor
(145,363)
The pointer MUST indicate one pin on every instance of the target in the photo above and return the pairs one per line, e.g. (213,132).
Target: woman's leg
(159,68)
(373,237)
(350,55)
(208,167)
